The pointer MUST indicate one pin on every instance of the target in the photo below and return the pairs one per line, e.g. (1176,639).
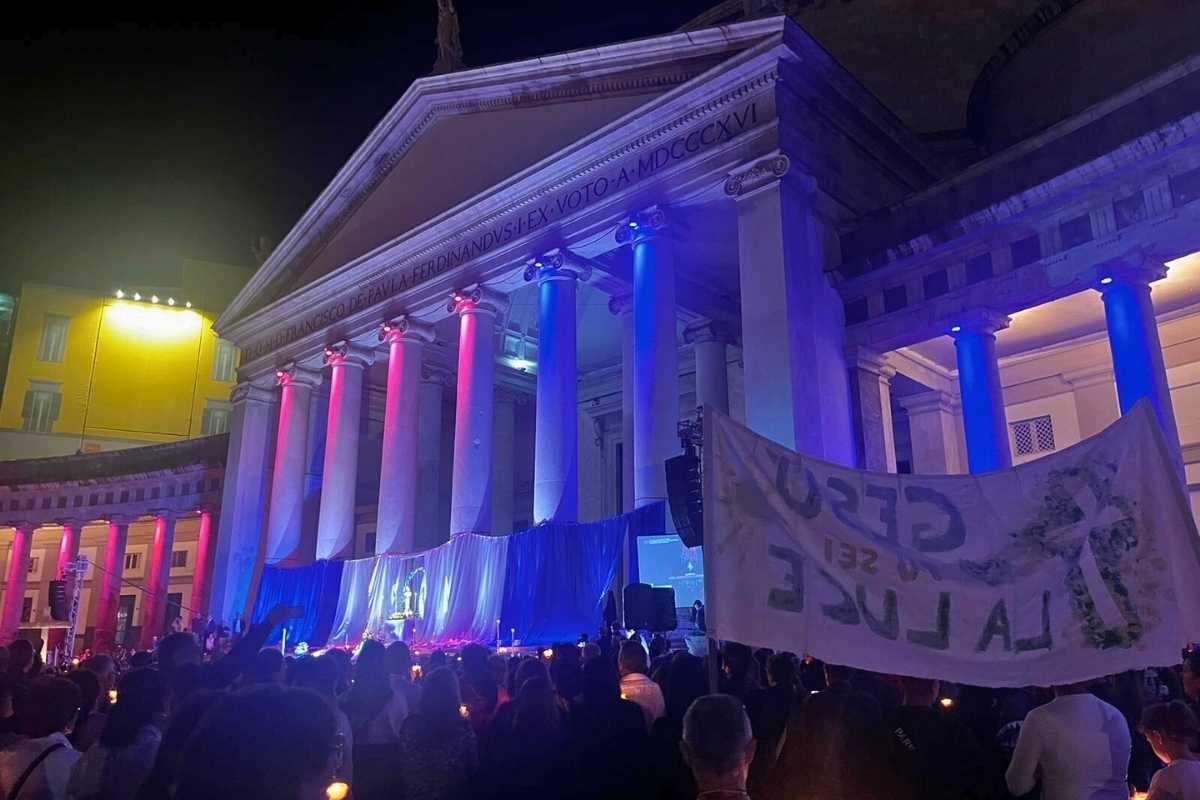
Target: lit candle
(112,695)
(338,790)
(946,702)
(463,711)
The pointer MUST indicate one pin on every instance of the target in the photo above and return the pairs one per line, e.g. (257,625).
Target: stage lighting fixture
(188,304)
(120,294)
(170,301)
(153,298)
(137,296)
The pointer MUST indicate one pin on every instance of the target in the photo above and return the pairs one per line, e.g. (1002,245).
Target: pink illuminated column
(14,586)
(471,487)
(68,551)
(286,514)
(109,578)
(396,526)
(335,526)
(201,573)
(154,604)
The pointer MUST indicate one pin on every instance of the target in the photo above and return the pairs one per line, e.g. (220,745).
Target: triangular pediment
(451,138)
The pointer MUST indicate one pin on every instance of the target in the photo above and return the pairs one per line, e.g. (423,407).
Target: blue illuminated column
(339,479)
(236,549)
(396,524)
(471,485)
(712,377)
(1133,338)
(556,450)
(655,354)
(621,306)
(286,510)
(979,386)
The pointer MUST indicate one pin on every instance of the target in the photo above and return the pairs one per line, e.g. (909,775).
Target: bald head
(717,742)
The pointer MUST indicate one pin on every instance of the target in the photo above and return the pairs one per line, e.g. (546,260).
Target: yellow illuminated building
(138,365)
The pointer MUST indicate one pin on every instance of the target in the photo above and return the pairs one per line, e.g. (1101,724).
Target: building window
(27,610)
(216,418)
(33,564)
(369,543)
(1034,435)
(178,558)
(53,345)
(224,362)
(43,402)
(132,561)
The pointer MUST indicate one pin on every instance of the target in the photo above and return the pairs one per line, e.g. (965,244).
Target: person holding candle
(1174,733)
(438,750)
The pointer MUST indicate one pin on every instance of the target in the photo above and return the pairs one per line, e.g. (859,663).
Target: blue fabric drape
(313,588)
(557,578)
(548,583)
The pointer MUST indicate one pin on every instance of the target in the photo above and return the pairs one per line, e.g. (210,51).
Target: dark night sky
(131,144)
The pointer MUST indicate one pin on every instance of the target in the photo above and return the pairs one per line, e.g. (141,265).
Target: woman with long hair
(1174,732)
(438,753)
(116,767)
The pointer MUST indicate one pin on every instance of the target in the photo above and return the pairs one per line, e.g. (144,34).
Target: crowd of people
(615,717)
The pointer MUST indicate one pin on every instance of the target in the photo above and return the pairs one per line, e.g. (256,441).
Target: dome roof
(1001,68)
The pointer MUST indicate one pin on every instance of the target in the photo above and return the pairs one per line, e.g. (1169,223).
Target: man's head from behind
(632,659)
(717,742)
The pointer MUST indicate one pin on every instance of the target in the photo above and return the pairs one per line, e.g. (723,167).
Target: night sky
(130,144)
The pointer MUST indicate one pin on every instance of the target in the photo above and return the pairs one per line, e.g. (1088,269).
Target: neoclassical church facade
(947,260)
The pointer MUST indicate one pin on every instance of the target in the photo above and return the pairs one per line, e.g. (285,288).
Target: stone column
(429,455)
(503,480)
(68,551)
(708,342)
(871,393)
(158,578)
(286,521)
(792,322)
(933,432)
(622,307)
(471,487)
(243,500)
(396,526)
(655,353)
(556,431)
(16,575)
(981,394)
(339,480)
(109,578)
(1133,339)
(201,572)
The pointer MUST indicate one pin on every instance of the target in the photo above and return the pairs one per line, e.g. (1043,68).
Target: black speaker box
(685,498)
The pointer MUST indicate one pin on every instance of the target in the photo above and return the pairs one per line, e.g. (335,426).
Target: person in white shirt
(38,767)
(633,665)
(1077,744)
(1174,733)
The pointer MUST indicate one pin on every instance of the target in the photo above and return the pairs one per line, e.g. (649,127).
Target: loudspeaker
(650,608)
(639,605)
(686,499)
(663,617)
(60,608)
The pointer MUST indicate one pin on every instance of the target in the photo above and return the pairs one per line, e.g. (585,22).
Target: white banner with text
(1079,564)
